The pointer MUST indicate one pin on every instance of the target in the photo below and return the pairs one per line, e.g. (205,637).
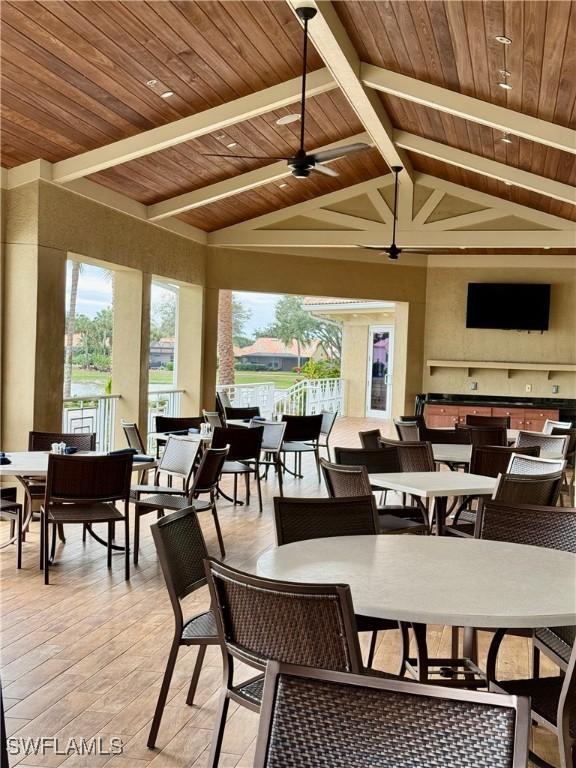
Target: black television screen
(508,306)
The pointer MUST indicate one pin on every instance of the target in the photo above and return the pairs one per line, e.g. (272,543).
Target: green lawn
(100,378)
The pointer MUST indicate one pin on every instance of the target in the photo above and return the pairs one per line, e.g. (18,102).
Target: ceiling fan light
(506,138)
(287,119)
(503,39)
(505,85)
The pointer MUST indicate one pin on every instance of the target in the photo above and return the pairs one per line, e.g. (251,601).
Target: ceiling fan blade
(326,170)
(332,154)
(247,157)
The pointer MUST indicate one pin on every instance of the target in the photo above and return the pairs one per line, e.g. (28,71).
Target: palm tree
(225,339)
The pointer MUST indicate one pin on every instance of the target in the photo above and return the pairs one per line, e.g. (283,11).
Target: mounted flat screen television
(508,306)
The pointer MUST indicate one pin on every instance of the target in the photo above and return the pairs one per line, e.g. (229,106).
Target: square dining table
(435,485)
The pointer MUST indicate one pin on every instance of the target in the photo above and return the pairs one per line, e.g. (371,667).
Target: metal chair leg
(46,559)
(136,534)
(19,539)
(109,547)
(216,747)
(218,531)
(196,675)
(372,649)
(126,544)
(163,695)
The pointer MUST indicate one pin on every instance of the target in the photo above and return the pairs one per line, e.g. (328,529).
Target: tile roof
(266,345)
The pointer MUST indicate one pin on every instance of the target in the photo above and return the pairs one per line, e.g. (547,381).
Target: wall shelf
(471,365)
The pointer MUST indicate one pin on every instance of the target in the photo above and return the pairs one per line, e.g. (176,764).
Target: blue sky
(95,293)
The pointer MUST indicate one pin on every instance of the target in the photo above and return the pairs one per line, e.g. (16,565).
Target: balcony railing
(162,402)
(311,396)
(250,395)
(92,413)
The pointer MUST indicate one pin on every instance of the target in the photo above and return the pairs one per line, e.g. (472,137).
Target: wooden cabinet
(531,419)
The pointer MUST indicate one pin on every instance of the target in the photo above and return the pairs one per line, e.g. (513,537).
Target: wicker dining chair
(407,430)
(302,436)
(321,719)
(302,519)
(413,456)
(445,436)
(381,460)
(177,463)
(261,620)
(241,413)
(529,489)
(484,435)
(553,699)
(213,418)
(570,470)
(554,444)
(475,420)
(84,489)
(352,480)
(11,509)
(370,439)
(181,551)
(272,439)
(175,425)
(134,440)
(522,464)
(550,425)
(205,482)
(328,421)
(243,459)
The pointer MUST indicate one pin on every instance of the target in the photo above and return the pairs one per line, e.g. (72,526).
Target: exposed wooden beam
(486,167)
(341,219)
(335,47)
(235,185)
(428,206)
(214,119)
(465,220)
(379,235)
(469,108)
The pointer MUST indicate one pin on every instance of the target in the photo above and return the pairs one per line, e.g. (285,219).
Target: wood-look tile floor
(84,656)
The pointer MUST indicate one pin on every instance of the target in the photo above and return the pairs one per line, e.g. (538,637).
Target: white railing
(163,402)
(250,395)
(311,396)
(92,413)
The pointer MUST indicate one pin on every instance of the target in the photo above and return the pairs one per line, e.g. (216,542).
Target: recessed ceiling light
(151,83)
(505,85)
(167,94)
(222,136)
(283,185)
(232,144)
(462,247)
(287,119)
(506,138)
(503,39)
(546,247)
(508,183)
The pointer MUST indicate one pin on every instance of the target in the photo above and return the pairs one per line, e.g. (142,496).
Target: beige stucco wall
(447,338)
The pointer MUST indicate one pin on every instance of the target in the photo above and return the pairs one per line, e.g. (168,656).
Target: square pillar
(34,308)
(408,357)
(209,346)
(188,363)
(130,350)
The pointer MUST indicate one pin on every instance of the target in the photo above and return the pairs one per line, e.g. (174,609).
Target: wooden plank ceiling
(75,74)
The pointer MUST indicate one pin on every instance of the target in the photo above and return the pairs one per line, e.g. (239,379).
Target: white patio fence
(93,413)
(307,397)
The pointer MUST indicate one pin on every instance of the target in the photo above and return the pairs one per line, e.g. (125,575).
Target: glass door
(379,372)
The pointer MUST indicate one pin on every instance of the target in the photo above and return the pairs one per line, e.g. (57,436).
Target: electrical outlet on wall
(473,385)
(528,387)
(555,389)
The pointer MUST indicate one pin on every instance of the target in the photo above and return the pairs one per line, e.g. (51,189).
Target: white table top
(35,463)
(456,453)
(435,580)
(428,485)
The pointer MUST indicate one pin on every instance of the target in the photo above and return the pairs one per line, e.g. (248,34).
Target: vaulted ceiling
(88,77)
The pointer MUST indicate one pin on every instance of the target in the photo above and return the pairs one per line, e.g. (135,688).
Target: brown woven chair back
(556,444)
(133,436)
(484,435)
(529,489)
(413,457)
(445,436)
(243,444)
(213,418)
(181,551)
(570,433)
(538,526)
(241,413)
(370,439)
(301,429)
(407,430)
(493,460)
(473,420)
(178,423)
(384,459)
(178,458)
(261,620)
(418,418)
(42,441)
(85,479)
(345,480)
(301,519)
(209,470)
(320,719)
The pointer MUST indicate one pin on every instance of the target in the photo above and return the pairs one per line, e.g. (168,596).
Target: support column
(408,357)
(210,338)
(34,298)
(189,348)
(130,350)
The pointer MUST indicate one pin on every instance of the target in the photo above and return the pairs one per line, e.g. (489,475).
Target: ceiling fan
(302,164)
(393,250)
